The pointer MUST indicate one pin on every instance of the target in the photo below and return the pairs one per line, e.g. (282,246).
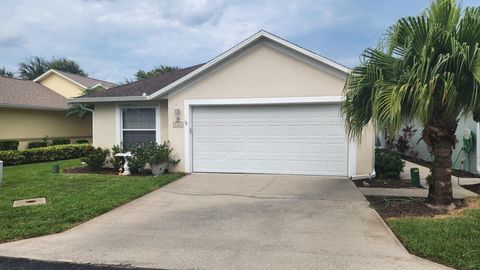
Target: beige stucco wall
(104,125)
(261,72)
(265,72)
(34,125)
(62,86)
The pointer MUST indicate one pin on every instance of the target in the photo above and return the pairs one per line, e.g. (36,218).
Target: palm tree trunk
(440,191)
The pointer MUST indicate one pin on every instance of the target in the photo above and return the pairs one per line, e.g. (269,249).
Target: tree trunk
(440,191)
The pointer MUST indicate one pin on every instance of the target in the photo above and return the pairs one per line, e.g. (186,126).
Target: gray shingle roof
(16,93)
(85,81)
(148,86)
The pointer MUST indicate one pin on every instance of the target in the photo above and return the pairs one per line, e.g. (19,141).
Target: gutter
(108,99)
(477,154)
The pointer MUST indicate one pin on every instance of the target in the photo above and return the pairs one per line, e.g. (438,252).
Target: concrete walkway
(216,221)
(458,191)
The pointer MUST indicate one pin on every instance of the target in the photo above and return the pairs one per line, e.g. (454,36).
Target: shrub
(37,144)
(388,164)
(96,158)
(81,141)
(60,141)
(117,162)
(8,145)
(143,154)
(50,153)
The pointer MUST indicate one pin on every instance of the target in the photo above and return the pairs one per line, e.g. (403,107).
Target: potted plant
(160,157)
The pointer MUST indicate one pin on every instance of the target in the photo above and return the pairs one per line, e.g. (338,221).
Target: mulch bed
(474,188)
(378,183)
(84,169)
(428,164)
(389,207)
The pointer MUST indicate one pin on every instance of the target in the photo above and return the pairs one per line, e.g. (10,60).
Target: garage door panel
(290,139)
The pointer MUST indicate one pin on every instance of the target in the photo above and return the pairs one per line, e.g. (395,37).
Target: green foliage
(60,141)
(42,154)
(6,73)
(82,110)
(117,162)
(151,153)
(34,66)
(71,198)
(8,145)
(81,141)
(96,158)
(427,69)
(31,145)
(388,164)
(141,74)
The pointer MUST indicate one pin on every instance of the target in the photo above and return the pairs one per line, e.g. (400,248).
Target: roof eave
(26,107)
(50,71)
(107,99)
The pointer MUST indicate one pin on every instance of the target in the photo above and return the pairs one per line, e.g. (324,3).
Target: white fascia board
(107,99)
(242,45)
(50,71)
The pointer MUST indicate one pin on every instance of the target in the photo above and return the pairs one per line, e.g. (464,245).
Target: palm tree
(82,110)
(427,69)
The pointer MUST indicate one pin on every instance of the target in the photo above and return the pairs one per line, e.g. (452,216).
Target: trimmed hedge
(50,153)
(32,145)
(60,141)
(82,141)
(8,145)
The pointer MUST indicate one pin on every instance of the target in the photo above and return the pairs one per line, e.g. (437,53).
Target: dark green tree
(6,73)
(142,74)
(35,66)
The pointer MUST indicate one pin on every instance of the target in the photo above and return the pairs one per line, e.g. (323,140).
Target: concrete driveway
(218,221)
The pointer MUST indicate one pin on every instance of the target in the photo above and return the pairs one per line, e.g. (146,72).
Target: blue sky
(112,39)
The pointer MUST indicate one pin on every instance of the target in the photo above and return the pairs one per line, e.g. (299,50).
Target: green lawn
(453,241)
(71,198)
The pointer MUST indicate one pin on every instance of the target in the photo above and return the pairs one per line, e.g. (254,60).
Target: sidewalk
(458,191)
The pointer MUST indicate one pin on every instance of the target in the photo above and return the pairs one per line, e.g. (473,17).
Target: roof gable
(201,69)
(82,81)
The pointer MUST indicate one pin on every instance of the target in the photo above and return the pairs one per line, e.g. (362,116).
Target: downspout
(93,120)
(478,148)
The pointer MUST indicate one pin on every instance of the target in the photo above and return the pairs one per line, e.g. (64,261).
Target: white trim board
(188,114)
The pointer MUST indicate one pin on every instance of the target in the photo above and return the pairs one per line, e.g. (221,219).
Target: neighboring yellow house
(31,110)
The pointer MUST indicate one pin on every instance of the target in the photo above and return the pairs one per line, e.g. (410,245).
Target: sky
(112,39)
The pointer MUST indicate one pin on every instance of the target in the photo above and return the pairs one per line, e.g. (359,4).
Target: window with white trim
(138,125)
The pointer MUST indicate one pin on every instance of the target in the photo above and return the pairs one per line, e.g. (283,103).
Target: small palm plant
(427,69)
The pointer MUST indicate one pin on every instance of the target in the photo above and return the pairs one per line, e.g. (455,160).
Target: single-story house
(264,106)
(31,110)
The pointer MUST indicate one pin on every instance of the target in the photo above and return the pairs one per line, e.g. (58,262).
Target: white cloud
(112,39)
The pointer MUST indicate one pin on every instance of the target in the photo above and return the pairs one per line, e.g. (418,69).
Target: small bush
(37,144)
(117,162)
(60,141)
(82,141)
(11,157)
(96,158)
(8,145)
(388,164)
(42,154)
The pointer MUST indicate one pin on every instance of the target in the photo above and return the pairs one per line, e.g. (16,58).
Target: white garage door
(281,139)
